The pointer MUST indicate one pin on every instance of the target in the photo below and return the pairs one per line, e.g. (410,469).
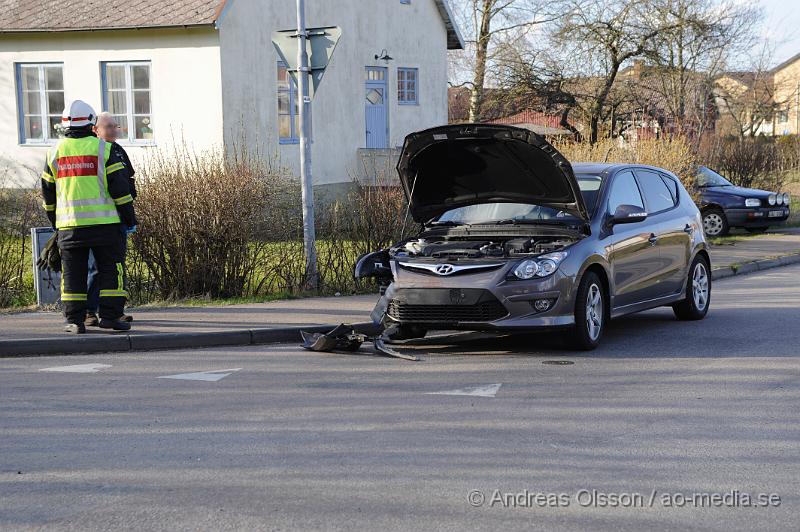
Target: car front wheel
(698,292)
(715,223)
(590,313)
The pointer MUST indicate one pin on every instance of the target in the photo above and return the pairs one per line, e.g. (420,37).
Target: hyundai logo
(444,269)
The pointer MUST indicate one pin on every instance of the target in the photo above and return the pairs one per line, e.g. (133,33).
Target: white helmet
(78,114)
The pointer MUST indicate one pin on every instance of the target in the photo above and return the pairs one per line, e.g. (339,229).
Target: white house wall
(413,34)
(186,93)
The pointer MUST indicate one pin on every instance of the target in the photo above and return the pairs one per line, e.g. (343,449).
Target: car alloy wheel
(590,313)
(594,312)
(698,292)
(713,223)
(700,286)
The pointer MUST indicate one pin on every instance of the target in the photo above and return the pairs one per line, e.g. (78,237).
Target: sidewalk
(751,253)
(39,333)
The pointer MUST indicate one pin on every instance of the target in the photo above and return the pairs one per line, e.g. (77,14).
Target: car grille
(482,311)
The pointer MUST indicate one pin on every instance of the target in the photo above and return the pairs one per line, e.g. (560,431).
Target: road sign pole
(309,237)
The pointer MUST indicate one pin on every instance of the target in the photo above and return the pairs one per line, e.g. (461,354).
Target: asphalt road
(287,439)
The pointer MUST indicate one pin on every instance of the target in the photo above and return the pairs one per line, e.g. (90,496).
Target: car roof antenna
(408,206)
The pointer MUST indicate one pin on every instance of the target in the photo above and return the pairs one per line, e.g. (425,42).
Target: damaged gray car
(515,238)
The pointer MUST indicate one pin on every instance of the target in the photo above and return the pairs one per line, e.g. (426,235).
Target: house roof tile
(72,15)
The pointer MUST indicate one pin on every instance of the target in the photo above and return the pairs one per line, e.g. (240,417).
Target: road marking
(79,368)
(209,376)
(487,390)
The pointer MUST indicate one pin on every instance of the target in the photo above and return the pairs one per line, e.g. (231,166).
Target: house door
(377,117)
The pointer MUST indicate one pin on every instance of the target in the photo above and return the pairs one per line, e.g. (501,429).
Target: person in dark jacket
(107,129)
(86,196)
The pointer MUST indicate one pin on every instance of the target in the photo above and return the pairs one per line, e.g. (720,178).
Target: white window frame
(404,92)
(131,139)
(49,137)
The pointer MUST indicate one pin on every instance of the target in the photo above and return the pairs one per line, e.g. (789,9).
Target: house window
(288,107)
(40,101)
(783,115)
(126,95)
(407,86)
(405,1)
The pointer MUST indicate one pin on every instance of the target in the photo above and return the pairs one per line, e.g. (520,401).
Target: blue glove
(130,230)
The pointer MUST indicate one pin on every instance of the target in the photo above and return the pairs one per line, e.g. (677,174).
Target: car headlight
(786,198)
(773,199)
(779,199)
(541,266)
(752,202)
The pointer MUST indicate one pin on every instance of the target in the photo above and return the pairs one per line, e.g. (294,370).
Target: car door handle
(688,229)
(653,239)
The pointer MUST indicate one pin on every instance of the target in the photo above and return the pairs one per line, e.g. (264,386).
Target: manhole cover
(558,362)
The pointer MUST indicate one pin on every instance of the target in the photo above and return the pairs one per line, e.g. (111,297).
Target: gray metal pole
(309,237)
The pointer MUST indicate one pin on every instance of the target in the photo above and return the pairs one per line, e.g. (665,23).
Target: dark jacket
(118,186)
(128,171)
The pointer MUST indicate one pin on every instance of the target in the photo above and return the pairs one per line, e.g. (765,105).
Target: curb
(755,266)
(151,342)
(84,345)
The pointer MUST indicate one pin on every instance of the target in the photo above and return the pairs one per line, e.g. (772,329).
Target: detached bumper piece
(345,338)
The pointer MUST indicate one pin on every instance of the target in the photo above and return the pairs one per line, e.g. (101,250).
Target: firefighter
(88,200)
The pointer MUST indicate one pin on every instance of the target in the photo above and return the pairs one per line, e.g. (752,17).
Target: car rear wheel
(590,313)
(715,223)
(698,292)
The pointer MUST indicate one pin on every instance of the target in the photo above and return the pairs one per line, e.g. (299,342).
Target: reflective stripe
(73,297)
(101,167)
(114,167)
(120,285)
(72,216)
(123,200)
(48,207)
(47,177)
(113,293)
(65,203)
(54,162)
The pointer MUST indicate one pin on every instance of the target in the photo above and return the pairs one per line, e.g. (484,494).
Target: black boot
(117,325)
(75,328)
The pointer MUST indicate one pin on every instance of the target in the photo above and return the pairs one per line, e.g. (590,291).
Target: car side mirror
(628,214)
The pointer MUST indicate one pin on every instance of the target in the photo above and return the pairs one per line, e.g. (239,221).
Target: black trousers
(75,267)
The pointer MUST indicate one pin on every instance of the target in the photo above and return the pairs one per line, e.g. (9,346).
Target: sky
(782,26)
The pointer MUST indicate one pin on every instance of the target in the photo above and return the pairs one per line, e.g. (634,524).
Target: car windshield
(522,212)
(706,177)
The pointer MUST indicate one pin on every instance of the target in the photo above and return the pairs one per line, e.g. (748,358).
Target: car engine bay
(476,248)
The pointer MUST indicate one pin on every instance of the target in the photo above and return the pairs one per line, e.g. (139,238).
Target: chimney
(638,69)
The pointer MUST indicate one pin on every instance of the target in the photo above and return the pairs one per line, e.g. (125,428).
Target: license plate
(775,214)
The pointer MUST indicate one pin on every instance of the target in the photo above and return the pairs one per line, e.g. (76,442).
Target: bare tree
(600,36)
(489,23)
(691,50)
(747,100)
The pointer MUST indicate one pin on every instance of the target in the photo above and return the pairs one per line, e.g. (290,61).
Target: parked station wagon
(515,238)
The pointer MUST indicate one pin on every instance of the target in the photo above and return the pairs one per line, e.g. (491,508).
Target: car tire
(698,292)
(715,223)
(756,230)
(591,313)
(397,333)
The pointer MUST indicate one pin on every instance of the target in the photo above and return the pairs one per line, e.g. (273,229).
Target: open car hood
(457,165)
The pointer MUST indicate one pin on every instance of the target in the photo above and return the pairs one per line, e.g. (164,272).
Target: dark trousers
(93,293)
(75,268)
